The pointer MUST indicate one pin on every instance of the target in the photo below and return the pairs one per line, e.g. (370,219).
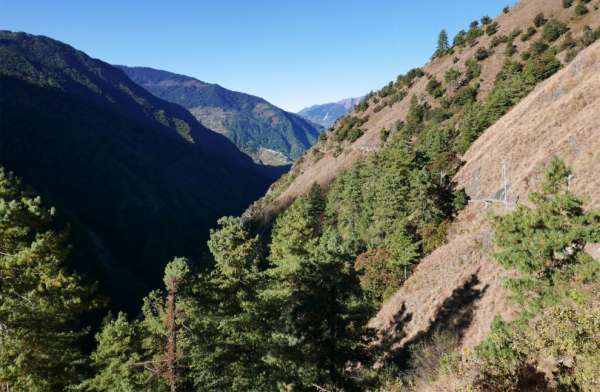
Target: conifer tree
(118,358)
(40,300)
(315,297)
(227,324)
(557,229)
(442,46)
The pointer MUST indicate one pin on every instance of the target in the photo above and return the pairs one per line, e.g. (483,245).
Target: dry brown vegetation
(560,117)
(332,160)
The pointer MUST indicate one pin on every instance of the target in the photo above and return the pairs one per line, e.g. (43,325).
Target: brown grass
(521,16)
(561,117)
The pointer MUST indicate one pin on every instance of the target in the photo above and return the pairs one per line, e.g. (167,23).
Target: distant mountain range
(138,178)
(326,114)
(262,130)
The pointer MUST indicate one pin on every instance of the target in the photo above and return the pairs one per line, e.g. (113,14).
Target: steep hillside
(326,114)
(257,127)
(461,278)
(469,71)
(139,179)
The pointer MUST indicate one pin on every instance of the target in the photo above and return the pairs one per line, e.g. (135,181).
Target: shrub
(460,39)
(452,75)
(486,20)
(354,134)
(539,20)
(528,34)
(581,9)
(349,128)
(568,42)
(481,54)
(363,105)
(538,47)
(408,79)
(473,69)
(465,96)
(506,9)
(553,30)
(497,40)
(515,33)
(492,29)
(525,56)
(386,90)
(378,275)
(434,88)
(567,3)
(384,134)
(588,37)
(511,49)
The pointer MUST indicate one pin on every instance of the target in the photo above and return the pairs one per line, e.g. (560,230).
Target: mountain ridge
(251,122)
(326,114)
(121,165)
(326,159)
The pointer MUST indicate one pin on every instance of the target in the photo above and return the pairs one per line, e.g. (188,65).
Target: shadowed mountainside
(138,178)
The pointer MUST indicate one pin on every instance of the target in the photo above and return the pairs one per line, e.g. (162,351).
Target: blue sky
(290,52)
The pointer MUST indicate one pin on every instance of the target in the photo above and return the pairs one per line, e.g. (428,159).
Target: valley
(441,233)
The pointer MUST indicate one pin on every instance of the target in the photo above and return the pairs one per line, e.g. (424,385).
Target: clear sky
(294,53)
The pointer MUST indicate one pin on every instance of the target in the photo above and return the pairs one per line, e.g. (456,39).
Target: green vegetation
(349,128)
(567,3)
(513,84)
(557,288)
(581,9)
(248,121)
(491,29)
(539,20)
(528,34)
(95,145)
(553,30)
(434,88)
(287,308)
(481,54)
(41,301)
(442,46)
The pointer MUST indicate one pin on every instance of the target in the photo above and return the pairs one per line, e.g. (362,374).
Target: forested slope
(449,84)
(138,178)
(256,126)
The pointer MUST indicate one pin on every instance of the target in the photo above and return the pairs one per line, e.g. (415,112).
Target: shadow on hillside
(453,317)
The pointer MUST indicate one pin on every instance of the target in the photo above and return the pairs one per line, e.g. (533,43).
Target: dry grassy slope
(521,16)
(560,117)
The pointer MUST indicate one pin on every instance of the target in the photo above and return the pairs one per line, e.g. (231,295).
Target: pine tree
(442,46)
(320,319)
(118,358)
(40,300)
(313,296)
(557,231)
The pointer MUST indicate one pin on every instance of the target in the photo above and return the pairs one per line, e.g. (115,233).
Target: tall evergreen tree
(40,300)
(443,45)
(118,358)
(315,298)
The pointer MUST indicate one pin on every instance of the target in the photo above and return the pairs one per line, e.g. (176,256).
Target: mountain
(262,130)
(559,118)
(326,114)
(138,178)
(476,63)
